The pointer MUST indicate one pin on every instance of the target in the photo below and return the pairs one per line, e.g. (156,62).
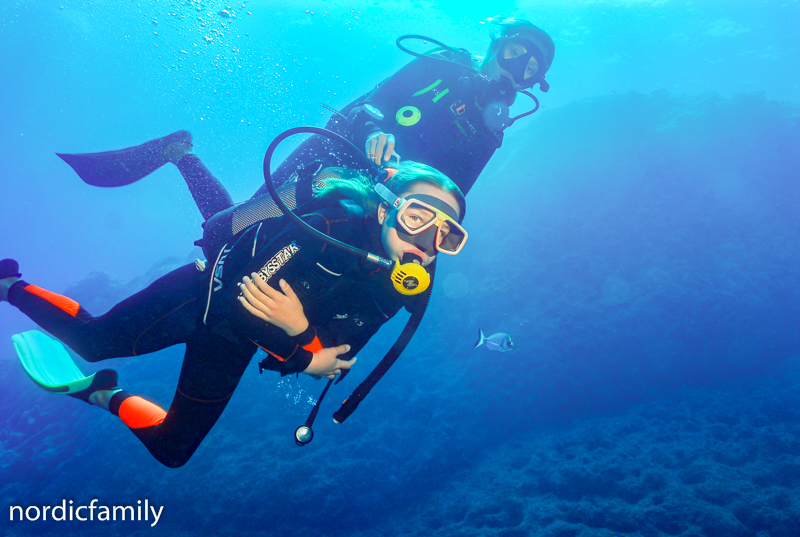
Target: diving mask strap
(387,195)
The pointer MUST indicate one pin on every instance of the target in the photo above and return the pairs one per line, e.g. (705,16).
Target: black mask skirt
(517,65)
(426,241)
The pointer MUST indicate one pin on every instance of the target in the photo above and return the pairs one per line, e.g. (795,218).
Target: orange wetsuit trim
(137,413)
(60,301)
(314,346)
(279,358)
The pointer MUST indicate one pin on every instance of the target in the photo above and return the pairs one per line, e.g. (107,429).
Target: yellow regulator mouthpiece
(410,278)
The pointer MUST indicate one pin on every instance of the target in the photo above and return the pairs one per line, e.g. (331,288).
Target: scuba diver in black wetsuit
(447,110)
(328,306)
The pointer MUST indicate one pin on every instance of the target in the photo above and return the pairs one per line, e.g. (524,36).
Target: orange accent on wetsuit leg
(314,346)
(279,358)
(60,301)
(138,413)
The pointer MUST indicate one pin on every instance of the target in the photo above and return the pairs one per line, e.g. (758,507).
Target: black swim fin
(123,166)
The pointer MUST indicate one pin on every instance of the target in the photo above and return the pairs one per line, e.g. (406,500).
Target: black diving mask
(521,51)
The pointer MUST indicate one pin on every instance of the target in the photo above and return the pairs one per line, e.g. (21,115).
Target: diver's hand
(283,310)
(377,144)
(326,364)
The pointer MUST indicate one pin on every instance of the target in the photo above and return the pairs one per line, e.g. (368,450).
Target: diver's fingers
(379,150)
(255,308)
(265,287)
(255,297)
(371,143)
(389,149)
(324,361)
(341,349)
(255,292)
(243,301)
(345,364)
(288,291)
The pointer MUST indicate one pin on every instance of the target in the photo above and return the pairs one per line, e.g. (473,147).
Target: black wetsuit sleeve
(306,344)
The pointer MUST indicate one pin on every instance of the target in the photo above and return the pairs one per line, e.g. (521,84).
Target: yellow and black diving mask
(427,222)
(430,225)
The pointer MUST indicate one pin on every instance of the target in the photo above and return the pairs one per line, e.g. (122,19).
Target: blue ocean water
(637,237)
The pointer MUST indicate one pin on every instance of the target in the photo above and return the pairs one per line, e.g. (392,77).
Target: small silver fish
(500,342)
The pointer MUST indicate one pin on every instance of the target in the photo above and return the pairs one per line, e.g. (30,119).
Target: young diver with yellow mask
(321,305)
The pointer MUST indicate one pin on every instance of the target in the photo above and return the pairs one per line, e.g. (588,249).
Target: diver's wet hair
(510,26)
(342,183)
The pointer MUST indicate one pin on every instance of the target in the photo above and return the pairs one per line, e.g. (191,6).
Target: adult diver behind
(434,111)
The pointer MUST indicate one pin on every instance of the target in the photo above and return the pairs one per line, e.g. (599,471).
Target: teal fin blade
(49,364)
